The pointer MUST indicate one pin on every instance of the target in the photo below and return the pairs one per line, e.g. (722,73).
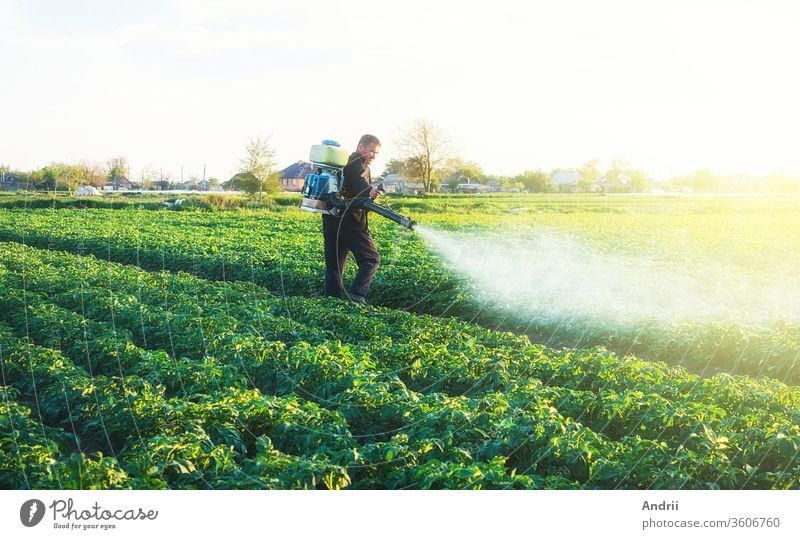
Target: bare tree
(93,174)
(260,162)
(425,149)
(148,176)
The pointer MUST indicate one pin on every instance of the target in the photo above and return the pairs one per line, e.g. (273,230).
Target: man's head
(368,148)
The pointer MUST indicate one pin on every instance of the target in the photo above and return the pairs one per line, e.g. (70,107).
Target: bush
(218,201)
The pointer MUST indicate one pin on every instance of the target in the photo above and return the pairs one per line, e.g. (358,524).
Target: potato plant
(147,379)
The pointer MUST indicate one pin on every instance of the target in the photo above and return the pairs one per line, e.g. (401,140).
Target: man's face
(368,152)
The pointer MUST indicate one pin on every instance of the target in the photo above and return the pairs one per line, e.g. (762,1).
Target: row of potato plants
(282,252)
(218,440)
(218,413)
(40,316)
(34,455)
(364,397)
(649,408)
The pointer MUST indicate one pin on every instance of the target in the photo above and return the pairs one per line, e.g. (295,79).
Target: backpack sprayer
(322,188)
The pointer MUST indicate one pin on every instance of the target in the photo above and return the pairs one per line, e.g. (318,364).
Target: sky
(670,86)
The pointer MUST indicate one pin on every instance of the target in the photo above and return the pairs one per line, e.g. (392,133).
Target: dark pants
(339,241)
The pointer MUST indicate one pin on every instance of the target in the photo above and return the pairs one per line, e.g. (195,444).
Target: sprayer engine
(322,187)
(330,159)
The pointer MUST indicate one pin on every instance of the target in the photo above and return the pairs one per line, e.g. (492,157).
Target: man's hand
(374,192)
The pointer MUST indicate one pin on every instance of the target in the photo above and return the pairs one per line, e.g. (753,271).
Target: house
(121,183)
(390,182)
(11,182)
(495,186)
(294,176)
(204,185)
(8,182)
(397,183)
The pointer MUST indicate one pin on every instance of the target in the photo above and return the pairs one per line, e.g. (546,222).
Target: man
(349,232)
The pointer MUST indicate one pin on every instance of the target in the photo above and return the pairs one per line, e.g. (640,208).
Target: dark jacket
(356,185)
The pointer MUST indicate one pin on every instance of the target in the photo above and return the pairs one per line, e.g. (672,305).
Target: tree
(704,181)
(456,170)
(31,179)
(506,182)
(588,172)
(259,162)
(117,166)
(71,177)
(615,173)
(536,181)
(61,176)
(425,148)
(93,174)
(469,171)
(165,180)
(49,177)
(149,176)
(395,166)
(244,181)
(638,180)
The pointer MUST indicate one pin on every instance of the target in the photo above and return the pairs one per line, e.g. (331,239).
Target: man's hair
(366,140)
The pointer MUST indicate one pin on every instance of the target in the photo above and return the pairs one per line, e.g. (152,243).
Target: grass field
(146,348)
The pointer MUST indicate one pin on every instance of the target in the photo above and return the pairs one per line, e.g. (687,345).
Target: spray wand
(388,213)
(368,204)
